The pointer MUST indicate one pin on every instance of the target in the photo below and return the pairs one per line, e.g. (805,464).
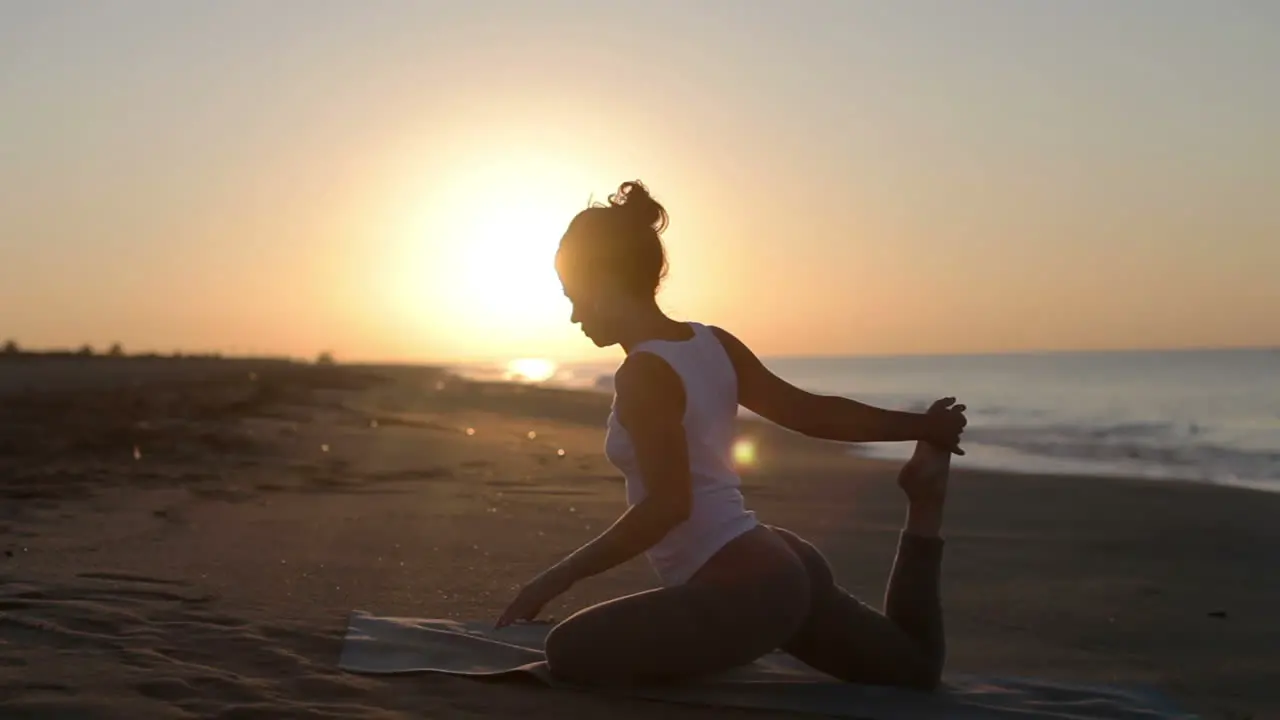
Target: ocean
(1202,415)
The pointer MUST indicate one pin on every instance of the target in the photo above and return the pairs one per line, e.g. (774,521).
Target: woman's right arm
(828,417)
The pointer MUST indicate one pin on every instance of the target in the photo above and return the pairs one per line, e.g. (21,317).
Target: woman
(733,589)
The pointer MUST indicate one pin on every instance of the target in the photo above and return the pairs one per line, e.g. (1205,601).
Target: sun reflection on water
(530,370)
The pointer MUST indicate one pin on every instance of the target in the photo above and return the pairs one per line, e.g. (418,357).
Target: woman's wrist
(567,572)
(919,427)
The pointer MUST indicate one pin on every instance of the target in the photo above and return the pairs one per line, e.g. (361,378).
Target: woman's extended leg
(905,646)
(745,602)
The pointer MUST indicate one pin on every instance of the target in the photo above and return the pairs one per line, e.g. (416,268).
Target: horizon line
(104,353)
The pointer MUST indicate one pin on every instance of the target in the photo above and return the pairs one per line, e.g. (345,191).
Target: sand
(186,539)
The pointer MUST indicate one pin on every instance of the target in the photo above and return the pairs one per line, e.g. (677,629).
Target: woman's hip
(757,570)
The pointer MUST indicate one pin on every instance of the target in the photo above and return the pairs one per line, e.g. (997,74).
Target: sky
(388,180)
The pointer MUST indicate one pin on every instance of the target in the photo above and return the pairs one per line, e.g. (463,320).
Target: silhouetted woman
(733,589)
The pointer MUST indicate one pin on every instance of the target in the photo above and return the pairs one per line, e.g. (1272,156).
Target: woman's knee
(568,649)
(925,677)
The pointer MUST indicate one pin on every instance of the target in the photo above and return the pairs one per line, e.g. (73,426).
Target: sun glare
(481,250)
(471,271)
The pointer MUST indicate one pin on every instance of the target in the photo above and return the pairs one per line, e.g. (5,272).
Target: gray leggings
(765,590)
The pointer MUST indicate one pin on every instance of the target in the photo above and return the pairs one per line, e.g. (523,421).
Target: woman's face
(596,310)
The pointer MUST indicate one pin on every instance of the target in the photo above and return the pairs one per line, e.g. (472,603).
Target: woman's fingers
(947,405)
(505,619)
(510,615)
(520,609)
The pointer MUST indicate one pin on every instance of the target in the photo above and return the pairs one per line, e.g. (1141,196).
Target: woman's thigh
(682,632)
(851,641)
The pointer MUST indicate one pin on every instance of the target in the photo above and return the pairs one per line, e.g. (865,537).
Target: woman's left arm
(650,405)
(831,417)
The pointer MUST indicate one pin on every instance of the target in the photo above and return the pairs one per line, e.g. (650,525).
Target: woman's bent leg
(849,640)
(906,646)
(746,602)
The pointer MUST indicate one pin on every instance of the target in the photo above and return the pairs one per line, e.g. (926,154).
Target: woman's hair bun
(633,198)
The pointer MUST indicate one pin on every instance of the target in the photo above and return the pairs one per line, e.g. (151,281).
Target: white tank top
(718,514)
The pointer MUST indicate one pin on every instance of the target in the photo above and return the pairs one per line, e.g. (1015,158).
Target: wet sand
(185,539)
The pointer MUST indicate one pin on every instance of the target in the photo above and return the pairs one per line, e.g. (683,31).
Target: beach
(187,538)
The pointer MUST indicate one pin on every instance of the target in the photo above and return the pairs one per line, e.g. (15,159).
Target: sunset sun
(505,248)
(478,257)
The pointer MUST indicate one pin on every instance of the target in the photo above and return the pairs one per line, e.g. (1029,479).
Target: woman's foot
(924,480)
(924,477)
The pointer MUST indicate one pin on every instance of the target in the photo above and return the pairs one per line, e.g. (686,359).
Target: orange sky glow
(841,178)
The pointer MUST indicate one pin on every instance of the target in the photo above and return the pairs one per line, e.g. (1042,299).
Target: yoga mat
(390,645)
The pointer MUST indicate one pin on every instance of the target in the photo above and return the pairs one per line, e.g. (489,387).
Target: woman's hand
(944,423)
(549,585)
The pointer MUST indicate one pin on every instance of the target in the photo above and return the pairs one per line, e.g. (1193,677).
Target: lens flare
(744,452)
